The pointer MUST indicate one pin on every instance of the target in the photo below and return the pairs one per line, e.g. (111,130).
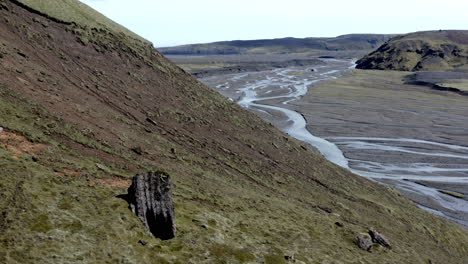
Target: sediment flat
(417,137)
(407,136)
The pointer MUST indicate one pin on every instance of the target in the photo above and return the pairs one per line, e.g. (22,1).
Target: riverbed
(430,170)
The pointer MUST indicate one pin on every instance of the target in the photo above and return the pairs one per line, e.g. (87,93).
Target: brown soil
(68,172)
(19,144)
(112,182)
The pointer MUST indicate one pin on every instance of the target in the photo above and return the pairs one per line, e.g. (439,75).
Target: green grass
(443,50)
(225,252)
(275,259)
(295,72)
(75,11)
(190,67)
(461,85)
(454,194)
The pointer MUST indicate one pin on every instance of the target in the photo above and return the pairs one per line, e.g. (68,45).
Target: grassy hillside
(421,51)
(77,12)
(282,46)
(76,103)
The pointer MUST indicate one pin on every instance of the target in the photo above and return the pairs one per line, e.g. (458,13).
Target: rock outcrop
(150,198)
(364,242)
(379,239)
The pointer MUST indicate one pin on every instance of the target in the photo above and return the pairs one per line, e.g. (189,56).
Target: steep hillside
(72,11)
(282,45)
(83,109)
(421,51)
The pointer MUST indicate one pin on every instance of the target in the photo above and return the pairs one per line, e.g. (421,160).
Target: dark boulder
(379,239)
(150,198)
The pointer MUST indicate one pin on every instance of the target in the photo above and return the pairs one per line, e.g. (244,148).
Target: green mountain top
(444,50)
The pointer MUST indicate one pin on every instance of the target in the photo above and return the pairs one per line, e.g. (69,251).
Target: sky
(176,22)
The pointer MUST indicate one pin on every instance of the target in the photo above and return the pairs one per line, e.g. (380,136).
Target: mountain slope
(83,110)
(282,45)
(73,11)
(421,51)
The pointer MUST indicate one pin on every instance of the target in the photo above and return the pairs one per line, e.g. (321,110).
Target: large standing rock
(150,198)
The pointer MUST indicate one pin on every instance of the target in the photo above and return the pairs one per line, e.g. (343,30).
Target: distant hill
(281,45)
(421,51)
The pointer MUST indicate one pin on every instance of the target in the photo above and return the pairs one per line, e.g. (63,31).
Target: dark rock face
(150,198)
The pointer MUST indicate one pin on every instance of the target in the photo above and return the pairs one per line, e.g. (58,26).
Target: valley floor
(203,66)
(407,136)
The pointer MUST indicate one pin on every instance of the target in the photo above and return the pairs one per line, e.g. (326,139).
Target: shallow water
(393,161)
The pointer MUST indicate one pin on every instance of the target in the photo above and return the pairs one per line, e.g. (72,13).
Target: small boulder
(364,242)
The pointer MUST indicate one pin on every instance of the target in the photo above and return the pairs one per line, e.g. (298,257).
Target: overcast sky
(174,22)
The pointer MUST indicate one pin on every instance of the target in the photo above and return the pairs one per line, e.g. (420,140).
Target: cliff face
(421,51)
(84,108)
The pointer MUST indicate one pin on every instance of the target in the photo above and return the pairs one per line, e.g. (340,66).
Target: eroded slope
(96,108)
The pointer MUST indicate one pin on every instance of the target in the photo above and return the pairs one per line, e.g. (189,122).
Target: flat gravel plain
(407,136)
